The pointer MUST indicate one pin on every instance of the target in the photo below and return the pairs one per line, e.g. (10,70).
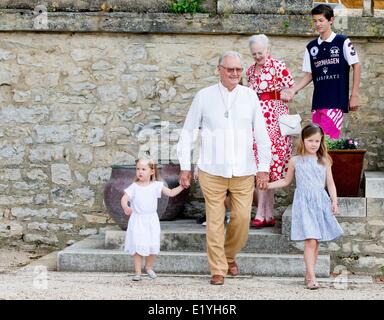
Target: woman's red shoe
(270,223)
(256,223)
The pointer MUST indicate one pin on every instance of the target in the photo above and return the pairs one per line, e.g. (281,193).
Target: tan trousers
(222,246)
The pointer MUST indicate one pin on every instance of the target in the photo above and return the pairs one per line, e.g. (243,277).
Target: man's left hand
(262,180)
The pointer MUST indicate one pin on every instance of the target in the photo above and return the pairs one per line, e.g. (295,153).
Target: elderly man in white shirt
(229,117)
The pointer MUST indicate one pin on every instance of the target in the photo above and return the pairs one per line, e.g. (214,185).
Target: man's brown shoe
(233,270)
(217,279)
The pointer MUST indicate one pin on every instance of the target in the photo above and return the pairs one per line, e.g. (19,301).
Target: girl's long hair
(322,154)
(152,165)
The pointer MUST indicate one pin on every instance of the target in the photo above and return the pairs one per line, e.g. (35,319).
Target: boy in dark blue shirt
(326,62)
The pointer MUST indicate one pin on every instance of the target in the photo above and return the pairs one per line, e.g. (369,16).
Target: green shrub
(381,269)
(186,6)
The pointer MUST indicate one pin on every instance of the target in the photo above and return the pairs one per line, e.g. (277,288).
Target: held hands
(287,94)
(185,179)
(262,180)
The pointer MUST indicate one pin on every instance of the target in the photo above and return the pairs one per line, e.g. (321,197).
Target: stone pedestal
(374,184)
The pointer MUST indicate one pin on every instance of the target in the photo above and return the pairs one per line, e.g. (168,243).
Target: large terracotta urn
(123,175)
(347,171)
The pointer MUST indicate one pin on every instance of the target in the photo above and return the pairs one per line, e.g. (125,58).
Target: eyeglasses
(232,70)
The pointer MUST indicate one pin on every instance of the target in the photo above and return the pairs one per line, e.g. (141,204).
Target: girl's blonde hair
(152,165)
(322,153)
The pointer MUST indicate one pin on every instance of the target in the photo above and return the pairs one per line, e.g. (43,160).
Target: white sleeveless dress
(143,231)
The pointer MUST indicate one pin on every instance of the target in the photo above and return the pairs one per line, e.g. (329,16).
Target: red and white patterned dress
(273,76)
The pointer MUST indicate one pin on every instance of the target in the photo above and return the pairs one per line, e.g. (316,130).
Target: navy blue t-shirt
(330,74)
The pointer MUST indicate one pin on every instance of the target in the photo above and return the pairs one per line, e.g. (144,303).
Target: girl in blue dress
(313,209)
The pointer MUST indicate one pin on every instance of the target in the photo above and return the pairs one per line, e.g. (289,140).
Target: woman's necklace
(227,108)
(258,69)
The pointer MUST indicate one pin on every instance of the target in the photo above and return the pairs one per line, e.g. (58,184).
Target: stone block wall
(362,247)
(86,94)
(211,6)
(74,104)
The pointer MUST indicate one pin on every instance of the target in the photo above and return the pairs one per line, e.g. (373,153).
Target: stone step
(187,235)
(374,184)
(89,255)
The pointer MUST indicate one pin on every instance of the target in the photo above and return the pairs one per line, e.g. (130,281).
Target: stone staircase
(268,252)
(183,250)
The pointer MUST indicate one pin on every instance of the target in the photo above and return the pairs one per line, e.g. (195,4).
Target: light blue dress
(312,216)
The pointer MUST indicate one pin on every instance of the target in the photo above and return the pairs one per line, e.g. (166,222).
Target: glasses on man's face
(232,70)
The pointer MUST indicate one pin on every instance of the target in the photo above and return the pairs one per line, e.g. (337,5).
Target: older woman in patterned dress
(268,76)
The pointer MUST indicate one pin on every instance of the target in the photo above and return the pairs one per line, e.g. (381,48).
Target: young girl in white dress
(313,209)
(143,231)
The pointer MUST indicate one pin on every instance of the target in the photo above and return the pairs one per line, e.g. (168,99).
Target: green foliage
(285,25)
(340,144)
(52,7)
(186,6)
(226,11)
(381,269)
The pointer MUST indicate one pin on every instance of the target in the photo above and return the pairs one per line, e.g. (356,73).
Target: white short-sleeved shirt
(143,199)
(349,53)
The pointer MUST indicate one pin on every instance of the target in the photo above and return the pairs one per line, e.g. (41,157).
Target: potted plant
(347,165)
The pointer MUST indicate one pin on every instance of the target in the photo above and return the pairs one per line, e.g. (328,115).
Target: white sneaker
(151,274)
(204,223)
(136,277)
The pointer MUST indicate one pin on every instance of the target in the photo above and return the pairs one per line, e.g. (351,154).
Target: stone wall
(211,6)
(74,104)
(89,90)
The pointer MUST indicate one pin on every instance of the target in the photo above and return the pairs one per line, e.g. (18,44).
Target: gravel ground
(12,259)
(35,281)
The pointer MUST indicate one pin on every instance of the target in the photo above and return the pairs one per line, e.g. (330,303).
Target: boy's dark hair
(324,9)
